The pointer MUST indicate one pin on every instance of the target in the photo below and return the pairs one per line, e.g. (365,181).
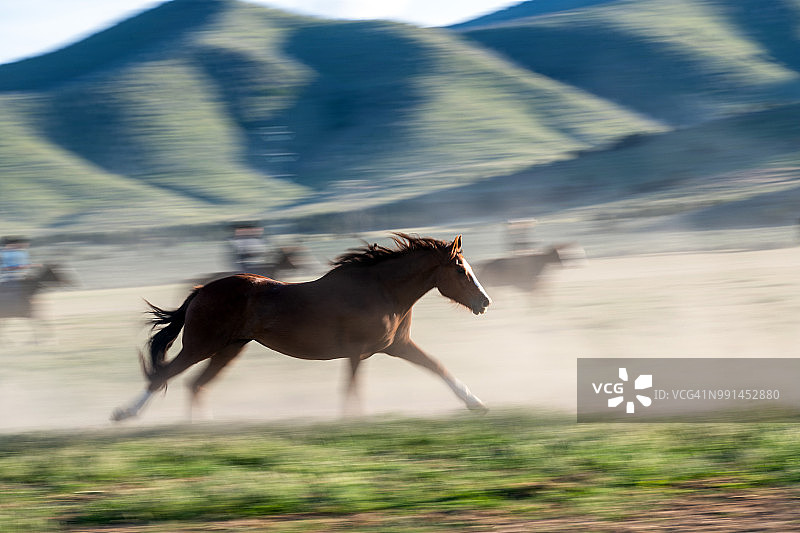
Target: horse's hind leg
(352,402)
(158,380)
(182,361)
(215,365)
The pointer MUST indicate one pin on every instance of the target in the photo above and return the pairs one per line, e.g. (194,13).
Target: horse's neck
(554,257)
(45,274)
(409,277)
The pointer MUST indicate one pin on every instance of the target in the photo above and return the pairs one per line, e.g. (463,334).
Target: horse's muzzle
(479,306)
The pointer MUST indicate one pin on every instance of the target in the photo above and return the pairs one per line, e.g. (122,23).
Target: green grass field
(383,474)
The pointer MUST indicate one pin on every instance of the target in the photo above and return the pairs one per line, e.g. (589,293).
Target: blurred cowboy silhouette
(15,262)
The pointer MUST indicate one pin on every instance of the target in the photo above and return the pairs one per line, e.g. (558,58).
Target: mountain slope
(681,62)
(208,110)
(441,104)
(741,171)
(213,109)
(523,10)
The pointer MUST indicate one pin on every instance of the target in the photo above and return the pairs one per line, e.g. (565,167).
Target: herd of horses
(360,307)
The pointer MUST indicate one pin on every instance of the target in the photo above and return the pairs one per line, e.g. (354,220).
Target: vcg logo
(644,381)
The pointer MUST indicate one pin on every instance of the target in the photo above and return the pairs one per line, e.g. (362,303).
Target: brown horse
(18,297)
(523,271)
(362,306)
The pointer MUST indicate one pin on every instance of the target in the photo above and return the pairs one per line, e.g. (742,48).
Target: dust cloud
(522,353)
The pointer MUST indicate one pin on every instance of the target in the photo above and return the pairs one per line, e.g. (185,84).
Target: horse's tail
(169,325)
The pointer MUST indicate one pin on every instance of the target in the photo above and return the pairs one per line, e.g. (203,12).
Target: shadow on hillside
(365,87)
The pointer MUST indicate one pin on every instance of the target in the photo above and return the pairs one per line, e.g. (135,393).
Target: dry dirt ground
(521,353)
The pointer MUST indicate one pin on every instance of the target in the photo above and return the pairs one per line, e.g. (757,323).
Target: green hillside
(200,111)
(737,172)
(447,112)
(680,61)
(173,117)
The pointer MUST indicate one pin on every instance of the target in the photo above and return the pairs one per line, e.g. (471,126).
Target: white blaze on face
(474,278)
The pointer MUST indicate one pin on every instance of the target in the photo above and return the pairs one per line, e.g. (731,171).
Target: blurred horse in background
(18,296)
(285,260)
(361,307)
(524,271)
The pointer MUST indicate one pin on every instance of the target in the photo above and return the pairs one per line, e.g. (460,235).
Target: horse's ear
(455,248)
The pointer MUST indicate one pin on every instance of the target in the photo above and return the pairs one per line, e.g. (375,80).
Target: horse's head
(456,280)
(553,255)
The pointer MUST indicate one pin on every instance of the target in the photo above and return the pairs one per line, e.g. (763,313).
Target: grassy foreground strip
(508,464)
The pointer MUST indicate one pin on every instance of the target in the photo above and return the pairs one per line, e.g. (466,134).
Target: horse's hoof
(120,414)
(478,407)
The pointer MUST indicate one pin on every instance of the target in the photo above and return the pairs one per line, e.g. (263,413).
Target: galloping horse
(18,297)
(521,271)
(284,260)
(361,307)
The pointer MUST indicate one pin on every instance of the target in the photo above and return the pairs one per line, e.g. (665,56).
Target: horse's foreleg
(352,401)
(215,365)
(412,353)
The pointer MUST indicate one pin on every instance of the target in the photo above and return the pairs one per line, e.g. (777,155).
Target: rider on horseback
(14,259)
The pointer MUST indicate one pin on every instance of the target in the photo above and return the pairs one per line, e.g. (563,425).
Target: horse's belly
(298,322)
(326,339)
(301,350)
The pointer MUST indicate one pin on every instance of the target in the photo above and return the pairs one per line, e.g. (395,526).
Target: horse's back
(236,288)
(249,297)
(493,271)
(502,271)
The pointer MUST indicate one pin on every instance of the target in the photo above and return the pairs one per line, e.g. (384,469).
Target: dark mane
(370,254)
